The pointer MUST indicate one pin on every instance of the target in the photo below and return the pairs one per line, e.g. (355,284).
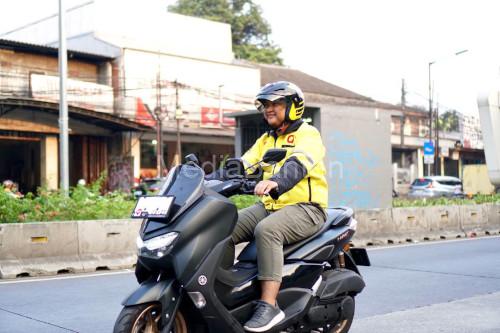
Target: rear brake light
(430,185)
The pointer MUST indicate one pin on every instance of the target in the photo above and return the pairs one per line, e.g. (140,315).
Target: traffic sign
(428,152)
(428,148)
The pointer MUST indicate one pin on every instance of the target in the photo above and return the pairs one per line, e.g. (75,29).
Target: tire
(344,324)
(145,318)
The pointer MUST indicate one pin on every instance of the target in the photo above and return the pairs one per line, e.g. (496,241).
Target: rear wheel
(346,319)
(145,318)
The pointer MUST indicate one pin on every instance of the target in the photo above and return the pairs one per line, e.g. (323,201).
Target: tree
(449,121)
(250,31)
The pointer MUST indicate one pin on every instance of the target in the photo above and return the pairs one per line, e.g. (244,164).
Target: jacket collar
(290,129)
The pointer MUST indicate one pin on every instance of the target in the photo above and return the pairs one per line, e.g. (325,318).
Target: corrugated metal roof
(49,50)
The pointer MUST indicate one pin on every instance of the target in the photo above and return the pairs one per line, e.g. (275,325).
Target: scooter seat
(336,217)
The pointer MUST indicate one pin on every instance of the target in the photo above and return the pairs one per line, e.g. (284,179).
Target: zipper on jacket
(272,174)
(309,185)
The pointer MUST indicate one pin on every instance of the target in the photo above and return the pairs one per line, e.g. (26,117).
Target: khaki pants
(272,230)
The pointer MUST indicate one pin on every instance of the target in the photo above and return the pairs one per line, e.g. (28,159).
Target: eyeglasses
(262,104)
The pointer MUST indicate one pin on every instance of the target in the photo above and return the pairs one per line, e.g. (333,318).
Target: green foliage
(83,203)
(449,121)
(478,199)
(243,201)
(250,31)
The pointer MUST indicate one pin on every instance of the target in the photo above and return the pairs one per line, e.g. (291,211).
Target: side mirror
(234,168)
(273,156)
(192,159)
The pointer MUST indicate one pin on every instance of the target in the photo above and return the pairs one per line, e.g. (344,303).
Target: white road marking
(388,247)
(34,279)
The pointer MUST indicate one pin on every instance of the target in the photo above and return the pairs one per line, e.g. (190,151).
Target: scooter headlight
(156,247)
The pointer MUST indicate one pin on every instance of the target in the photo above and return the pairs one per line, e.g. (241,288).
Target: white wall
(79,20)
(147,25)
(144,25)
(240,83)
(358,156)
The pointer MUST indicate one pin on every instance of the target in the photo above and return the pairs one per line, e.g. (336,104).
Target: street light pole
(430,113)
(178,115)
(159,138)
(436,148)
(63,104)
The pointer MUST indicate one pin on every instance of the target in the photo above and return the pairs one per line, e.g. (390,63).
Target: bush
(478,199)
(243,201)
(83,203)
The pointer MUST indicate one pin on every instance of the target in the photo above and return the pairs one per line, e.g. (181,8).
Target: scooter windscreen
(185,183)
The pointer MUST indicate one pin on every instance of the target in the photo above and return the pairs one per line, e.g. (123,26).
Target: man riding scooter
(294,193)
(298,253)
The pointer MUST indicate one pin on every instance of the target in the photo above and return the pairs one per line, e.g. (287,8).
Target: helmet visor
(263,101)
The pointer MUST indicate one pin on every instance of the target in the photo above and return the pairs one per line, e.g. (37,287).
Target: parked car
(436,187)
(148,186)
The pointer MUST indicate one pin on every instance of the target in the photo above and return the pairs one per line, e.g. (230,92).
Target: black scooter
(186,288)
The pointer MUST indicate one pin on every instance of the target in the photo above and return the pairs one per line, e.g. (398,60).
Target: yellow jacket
(304,145)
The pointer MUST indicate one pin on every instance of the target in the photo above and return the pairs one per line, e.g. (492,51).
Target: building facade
(29,130)
(457,146)
(187,73)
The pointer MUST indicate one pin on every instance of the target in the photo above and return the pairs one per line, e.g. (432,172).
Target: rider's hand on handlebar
(264,187)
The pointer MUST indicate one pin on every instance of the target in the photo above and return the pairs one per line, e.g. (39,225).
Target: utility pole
(437,162)
(430,114)
(63,104)
(221,114)
(178,116)
(159,136)
(403,93)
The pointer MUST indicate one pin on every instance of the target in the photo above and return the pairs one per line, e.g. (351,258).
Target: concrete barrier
(29,249)
(49,248)
(473,219)
(415,224)
(492,212)
(107,244)
(443,222)
(375,227)
(409,223)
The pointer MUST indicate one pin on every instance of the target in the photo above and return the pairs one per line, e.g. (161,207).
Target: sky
(370,46)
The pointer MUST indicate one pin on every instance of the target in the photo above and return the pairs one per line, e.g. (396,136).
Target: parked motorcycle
(186,288)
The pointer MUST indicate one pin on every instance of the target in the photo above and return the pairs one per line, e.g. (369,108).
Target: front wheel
(145,318)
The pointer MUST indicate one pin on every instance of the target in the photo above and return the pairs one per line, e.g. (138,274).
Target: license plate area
(153,207)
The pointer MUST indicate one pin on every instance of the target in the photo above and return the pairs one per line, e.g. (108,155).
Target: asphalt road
(451,286)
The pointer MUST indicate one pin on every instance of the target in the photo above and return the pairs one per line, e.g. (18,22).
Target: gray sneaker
(264,317)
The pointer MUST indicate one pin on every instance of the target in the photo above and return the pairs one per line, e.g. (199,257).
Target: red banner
(211,117)
(142,115)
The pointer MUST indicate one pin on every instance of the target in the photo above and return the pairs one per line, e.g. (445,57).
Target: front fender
(164,292)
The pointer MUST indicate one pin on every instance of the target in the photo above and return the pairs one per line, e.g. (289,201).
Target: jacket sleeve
(253,155)
(289,175)
(308,152)
(309,149)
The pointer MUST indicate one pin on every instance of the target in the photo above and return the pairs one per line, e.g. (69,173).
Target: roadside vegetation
(475,200)
(83,203)
(88,203)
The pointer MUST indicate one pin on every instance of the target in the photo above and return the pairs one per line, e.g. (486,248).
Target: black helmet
(293,96)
